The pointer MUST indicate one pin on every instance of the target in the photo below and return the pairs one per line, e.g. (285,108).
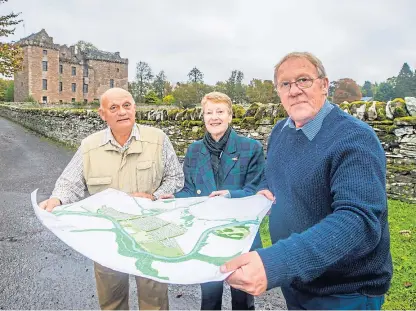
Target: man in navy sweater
(326,172)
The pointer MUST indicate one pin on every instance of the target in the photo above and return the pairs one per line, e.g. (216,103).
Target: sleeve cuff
(237,193)
(276,266)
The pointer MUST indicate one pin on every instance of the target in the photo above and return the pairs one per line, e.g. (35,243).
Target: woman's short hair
(218,98)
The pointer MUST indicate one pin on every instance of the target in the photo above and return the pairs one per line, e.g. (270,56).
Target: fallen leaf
(406,233)
(407,284)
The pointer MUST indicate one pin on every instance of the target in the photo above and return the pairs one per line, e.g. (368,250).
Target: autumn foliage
(10,53)
(347,90)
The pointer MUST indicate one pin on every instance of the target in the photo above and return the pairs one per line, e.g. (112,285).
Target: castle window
(111,82)
(60,87)
(73,100)
(74,87)
(45,52)
(118,69)
(44,99)
(45,65)
(44,84)
(85,88)
(74,71)
(61,68)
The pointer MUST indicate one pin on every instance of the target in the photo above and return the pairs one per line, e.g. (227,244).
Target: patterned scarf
(216,148)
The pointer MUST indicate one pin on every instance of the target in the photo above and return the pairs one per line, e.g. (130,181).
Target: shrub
(238,111)
(168,99)
(151,98)
(30,99)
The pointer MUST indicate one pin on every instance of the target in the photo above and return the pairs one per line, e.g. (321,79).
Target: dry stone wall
(394,123)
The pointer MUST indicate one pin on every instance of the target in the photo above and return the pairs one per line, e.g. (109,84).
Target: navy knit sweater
(329,224)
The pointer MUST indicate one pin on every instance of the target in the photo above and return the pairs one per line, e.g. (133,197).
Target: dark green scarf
(216,149)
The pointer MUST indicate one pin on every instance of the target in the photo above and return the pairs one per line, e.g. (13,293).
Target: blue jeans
(296,300)
(211,292)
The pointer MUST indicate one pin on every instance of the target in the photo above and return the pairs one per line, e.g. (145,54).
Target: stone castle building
(54,73)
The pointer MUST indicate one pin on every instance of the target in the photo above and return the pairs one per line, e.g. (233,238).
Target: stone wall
(393,123)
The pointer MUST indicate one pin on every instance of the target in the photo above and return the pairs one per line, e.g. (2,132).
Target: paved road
(37,270)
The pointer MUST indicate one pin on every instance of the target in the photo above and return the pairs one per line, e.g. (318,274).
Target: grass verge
(402,221)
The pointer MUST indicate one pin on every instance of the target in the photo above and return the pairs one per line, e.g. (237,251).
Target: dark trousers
(212,297)
(296,300)
(211,292)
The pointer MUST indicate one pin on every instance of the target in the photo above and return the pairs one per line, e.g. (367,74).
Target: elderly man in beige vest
(136,159)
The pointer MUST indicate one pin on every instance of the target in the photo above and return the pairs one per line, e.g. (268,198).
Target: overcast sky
(362,40)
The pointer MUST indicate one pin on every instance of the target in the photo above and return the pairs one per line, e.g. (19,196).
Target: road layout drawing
(178,241)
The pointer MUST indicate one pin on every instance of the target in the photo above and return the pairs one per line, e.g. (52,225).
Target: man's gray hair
(309,56)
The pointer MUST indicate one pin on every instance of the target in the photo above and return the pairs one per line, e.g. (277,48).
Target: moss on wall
(251,111)
(236,121)
(238,111)
(409,120)
(401,168)
(261,113)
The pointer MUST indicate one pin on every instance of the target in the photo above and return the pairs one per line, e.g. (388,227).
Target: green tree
(262,91)
(190,94)
(11,55)
(151,98)
(6,90)
(235,88)
(168,88)
(131,87)
(143,81)
(414,81)
(185,95)
(331,89)
(9,94)
(85,45)
(392,81)
(3,88)
(404,83)
(367,89)
(384,92)
(195,76)
(159,84)
(221,86)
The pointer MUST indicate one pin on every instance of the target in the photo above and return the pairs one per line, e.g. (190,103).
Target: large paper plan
(180,241)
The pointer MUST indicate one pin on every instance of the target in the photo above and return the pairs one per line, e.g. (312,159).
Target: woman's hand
(224,193)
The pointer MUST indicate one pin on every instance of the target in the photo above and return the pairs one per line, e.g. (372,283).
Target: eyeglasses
(302,83)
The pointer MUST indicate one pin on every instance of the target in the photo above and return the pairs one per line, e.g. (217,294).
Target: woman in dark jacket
(222,163)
